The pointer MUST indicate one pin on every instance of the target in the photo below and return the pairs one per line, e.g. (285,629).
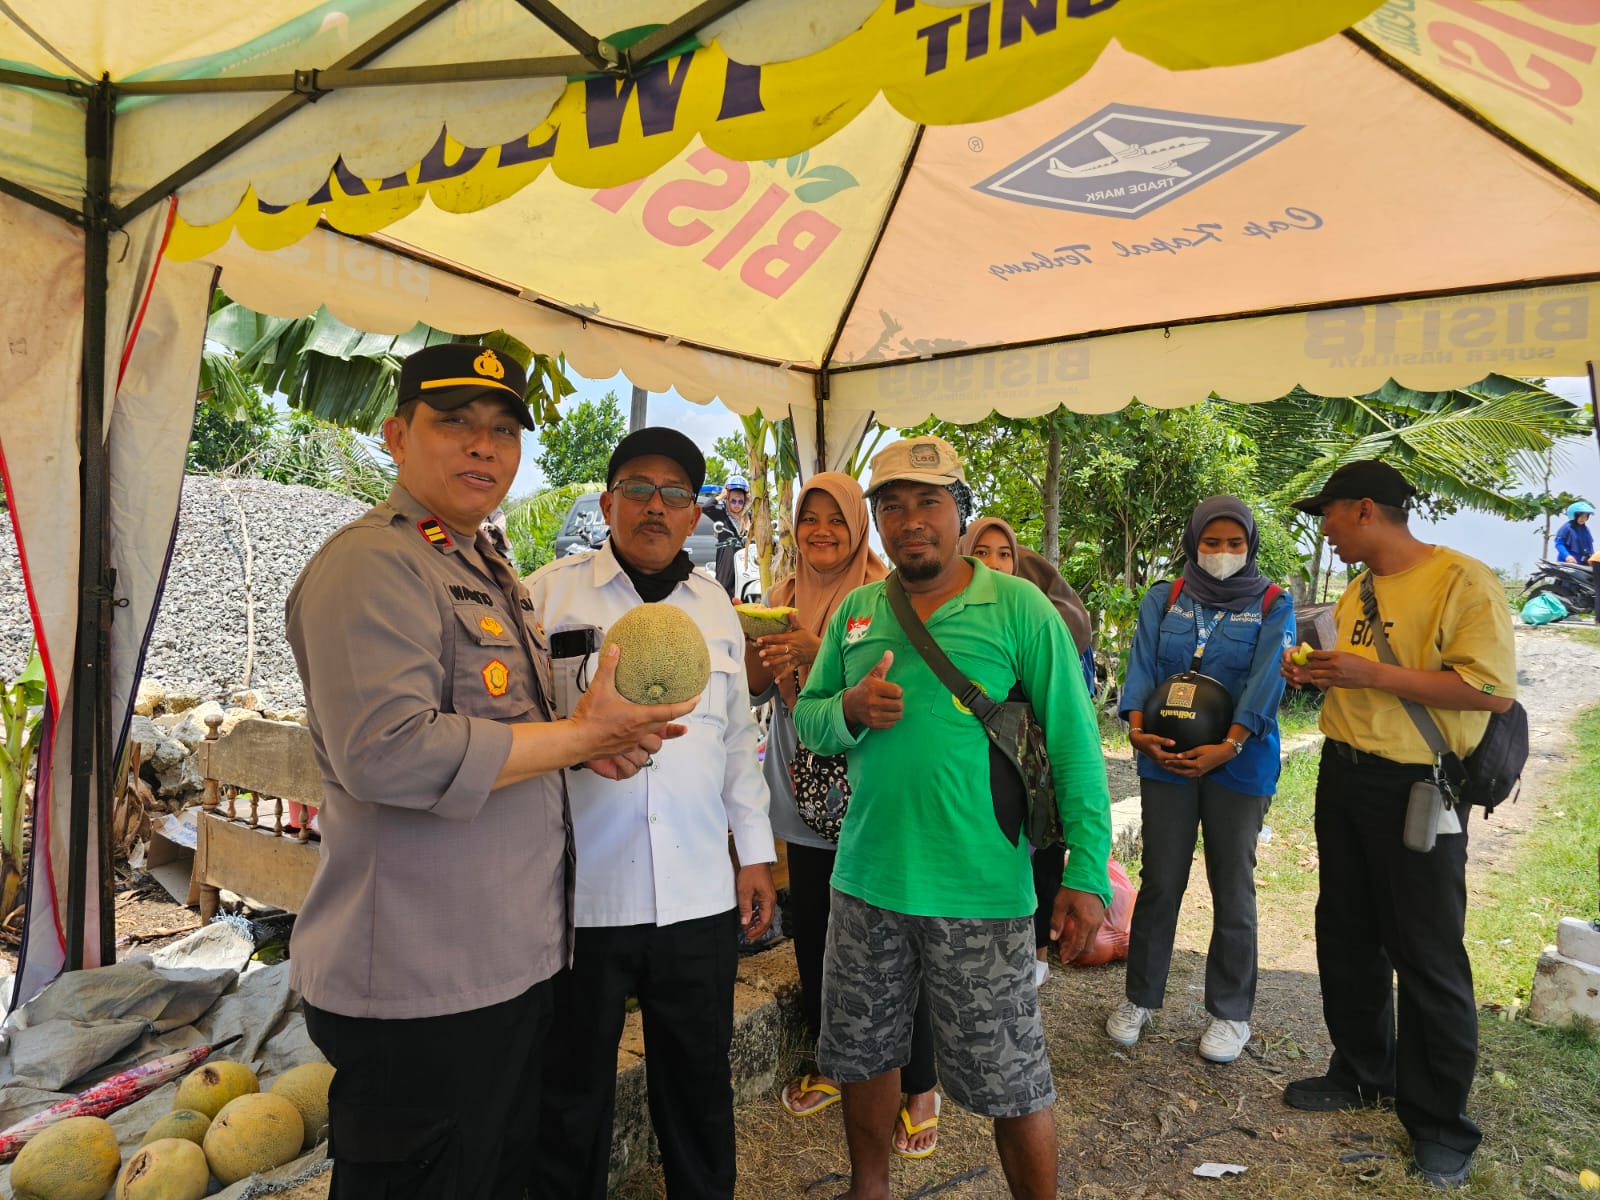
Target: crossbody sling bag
(1020,779)
(1491,771)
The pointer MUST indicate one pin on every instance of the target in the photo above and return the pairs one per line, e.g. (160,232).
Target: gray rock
(159,749)
(192,730)
(148,699)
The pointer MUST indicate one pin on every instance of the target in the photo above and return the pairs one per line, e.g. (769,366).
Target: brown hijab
(1029,564)
(981,526)
(817,594)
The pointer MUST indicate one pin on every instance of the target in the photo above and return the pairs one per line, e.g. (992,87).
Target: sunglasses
(641,490)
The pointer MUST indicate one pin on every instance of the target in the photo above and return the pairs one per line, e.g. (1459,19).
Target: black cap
(658,439)
(451,374)
(1365,480)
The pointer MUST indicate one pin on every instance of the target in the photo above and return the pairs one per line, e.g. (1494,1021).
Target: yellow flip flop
(922,1126)
(808,1084)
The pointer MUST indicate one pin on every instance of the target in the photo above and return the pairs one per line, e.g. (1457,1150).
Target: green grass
(1588,636)
(1551,875)
(1287,864)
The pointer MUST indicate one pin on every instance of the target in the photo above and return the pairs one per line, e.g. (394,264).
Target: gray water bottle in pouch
(1423,810)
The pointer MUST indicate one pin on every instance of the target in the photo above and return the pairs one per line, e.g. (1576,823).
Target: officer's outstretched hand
(619,736)
(1074,921)
(875,703)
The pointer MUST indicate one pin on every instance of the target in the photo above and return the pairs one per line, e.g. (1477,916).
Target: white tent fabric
(155,329)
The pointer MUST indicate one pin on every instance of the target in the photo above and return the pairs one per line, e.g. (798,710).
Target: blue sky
(1509,545)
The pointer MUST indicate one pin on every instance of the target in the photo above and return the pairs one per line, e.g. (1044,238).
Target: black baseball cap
(1365,480)
(668,443)
(452,374)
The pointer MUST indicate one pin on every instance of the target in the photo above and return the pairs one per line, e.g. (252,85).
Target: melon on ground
(759,620)
(183,1123)
(75,1159)
(306,1087)
(253,1133)
(664,655)
(165,1169)
(208,1088)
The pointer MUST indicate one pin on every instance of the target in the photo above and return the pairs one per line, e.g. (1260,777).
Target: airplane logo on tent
(1126,161)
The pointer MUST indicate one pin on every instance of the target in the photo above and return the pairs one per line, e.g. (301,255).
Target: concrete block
(1564,988)
(1578,940)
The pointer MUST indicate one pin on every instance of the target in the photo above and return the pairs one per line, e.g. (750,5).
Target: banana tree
(532,523)
(346,377)
(21,710)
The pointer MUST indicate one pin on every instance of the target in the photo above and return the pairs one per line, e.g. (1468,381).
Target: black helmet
(1192,709)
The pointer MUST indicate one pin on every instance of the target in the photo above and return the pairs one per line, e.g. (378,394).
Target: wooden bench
(252,774)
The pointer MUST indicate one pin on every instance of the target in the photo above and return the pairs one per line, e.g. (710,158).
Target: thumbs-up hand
(874,702)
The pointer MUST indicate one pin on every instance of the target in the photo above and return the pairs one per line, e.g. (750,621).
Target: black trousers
(1048,863)
(683,976)
(1385,912)
(810,870)
(435,1108)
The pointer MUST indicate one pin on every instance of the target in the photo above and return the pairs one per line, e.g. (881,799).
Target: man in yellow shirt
(1385,910)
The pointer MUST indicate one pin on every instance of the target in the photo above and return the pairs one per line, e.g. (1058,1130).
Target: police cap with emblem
(452,374)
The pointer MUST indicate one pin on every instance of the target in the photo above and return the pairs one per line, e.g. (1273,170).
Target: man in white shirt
(658,907)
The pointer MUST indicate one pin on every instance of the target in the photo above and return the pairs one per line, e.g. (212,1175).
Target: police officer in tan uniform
(441,907)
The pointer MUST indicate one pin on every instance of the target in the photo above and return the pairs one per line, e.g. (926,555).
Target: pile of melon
(221,1124)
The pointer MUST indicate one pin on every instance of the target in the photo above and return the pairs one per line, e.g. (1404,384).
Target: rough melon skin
(165,1169)
(758,620)
(253,1133)
(209,1088)
(183,1123)
(75,1159)
(664,656)
(306,1087)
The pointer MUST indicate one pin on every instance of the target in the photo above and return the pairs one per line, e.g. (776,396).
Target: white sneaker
(1125,1022)
(1041,972)
(1223,1040)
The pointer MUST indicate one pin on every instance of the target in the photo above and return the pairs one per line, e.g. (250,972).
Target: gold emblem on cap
(488,364)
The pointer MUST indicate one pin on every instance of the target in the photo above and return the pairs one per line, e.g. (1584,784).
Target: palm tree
(532,523)
(1463,449)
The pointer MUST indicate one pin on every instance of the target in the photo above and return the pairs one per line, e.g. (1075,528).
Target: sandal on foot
(921,1127)
(806,1085)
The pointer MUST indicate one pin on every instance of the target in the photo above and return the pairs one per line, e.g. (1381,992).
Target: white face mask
(1221,566)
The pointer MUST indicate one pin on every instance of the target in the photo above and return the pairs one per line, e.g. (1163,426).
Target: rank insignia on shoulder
(491,626)
(434,532)
(496,677)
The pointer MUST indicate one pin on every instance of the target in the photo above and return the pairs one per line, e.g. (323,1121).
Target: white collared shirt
(653,850)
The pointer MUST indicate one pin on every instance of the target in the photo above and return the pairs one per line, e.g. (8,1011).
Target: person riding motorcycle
(729,510)
(1575,540)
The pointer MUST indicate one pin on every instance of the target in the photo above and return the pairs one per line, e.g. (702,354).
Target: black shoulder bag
(1020,780)
(1493,770)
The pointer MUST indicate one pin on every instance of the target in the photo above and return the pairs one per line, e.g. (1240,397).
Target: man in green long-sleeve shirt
(928,889)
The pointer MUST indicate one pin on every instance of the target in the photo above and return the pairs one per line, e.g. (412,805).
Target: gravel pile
(199,643)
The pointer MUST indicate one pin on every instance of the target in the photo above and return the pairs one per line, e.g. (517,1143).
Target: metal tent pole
(90,682)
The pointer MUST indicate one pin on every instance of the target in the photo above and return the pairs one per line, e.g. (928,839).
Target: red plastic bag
(1111,942)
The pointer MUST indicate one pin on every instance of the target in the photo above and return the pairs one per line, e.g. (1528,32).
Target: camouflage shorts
(978,972)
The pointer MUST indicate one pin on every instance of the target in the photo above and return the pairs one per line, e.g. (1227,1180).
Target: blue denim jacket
(1242,654)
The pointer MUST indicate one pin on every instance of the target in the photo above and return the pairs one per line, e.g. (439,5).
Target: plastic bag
(1111,942)
(1543,609)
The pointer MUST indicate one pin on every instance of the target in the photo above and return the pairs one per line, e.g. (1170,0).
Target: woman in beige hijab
(830,533)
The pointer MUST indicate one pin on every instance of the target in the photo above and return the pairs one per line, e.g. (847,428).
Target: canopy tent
(865,207)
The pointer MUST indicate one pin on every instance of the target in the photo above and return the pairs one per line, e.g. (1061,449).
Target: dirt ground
(1135,1123)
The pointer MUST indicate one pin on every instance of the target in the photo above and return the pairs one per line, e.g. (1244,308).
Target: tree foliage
(532,523)
(578,448)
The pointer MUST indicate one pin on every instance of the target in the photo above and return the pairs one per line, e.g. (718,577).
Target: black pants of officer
(1385,912)
(1174,816)
(683,976)
(435,1108)
(810,899)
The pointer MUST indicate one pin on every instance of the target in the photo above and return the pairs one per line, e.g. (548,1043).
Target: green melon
(253,1133)
(306,1087)
(74,1159)
(183,1123)
(165,1169)
(664,655)
(759,620)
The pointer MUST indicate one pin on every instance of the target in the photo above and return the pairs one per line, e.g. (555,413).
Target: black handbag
(821,784)
(1494,768)
(1020,779)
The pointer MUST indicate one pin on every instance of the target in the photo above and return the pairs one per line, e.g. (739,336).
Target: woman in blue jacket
(1239,624)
